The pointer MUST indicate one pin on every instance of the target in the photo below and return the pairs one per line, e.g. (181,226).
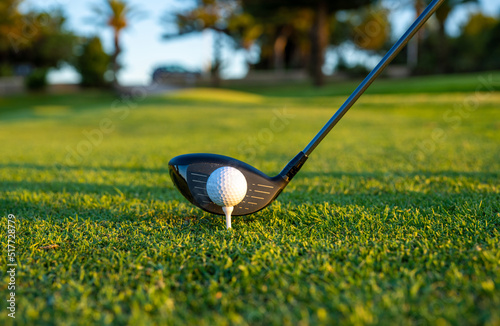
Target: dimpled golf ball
(227,186)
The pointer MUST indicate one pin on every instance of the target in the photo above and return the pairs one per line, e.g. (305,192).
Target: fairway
(394,219)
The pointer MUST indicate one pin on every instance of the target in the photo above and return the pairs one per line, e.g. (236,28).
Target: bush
(37,80)
(92,64)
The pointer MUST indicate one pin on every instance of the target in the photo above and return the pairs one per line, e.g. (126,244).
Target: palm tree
(116,14)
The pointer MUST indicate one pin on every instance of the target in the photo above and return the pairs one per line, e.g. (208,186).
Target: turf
(455,83)
(395,219)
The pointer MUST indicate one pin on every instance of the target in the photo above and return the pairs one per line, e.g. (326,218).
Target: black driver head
(190,173)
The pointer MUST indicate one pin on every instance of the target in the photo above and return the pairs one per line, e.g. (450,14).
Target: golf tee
(228,211)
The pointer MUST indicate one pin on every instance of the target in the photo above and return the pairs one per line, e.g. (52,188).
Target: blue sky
(144,49)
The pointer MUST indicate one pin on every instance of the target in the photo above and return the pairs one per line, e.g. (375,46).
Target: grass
(395,219)
(412,85)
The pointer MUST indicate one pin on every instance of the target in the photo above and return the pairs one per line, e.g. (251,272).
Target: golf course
(393,220)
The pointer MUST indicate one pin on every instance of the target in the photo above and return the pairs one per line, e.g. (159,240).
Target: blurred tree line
(293,34)
(296,34)
(476,48)
(286,35)
(33,42)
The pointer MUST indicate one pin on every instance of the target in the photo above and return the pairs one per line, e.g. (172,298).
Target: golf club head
(190,173)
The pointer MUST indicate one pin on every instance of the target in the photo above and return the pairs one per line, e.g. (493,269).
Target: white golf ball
(227,186)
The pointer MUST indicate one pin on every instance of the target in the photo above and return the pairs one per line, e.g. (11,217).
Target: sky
(144,49)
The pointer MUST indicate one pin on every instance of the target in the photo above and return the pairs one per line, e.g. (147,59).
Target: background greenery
(277,35)
(372,231)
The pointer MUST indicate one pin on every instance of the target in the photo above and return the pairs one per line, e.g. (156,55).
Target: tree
(51,44)
(320,27)
(92,63)
(10,22)
(283,37)
(36,40)
(442,15)
(205,15)
(116,14)
(476,48)
(493,48)
(369,28)
(284,29)
(10,29)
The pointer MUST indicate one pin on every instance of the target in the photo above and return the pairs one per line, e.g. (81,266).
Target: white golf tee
(228,211)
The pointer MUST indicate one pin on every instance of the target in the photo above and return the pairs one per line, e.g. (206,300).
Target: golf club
(191,172)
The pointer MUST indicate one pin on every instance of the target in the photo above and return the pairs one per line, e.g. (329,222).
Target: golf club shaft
(393,52)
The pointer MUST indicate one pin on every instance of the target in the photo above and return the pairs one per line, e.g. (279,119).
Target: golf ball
(227,186)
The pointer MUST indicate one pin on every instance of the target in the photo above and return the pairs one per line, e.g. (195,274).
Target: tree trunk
(279,48)
(319,42)
(442,15)
(413,45)
(114,58)
(217,61)
(279,53)
(443,66)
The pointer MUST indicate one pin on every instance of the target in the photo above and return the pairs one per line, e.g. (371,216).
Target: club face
(190,173)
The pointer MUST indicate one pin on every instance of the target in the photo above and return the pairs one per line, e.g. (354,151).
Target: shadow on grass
(28,209)
(131,191)
(342,188)
(136,202)
(426,174)
(491,176)
(447,202)
(62,168)
(182,218)
(445,189)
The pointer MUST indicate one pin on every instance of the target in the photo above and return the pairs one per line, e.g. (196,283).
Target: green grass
(395,219)
(412,85)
